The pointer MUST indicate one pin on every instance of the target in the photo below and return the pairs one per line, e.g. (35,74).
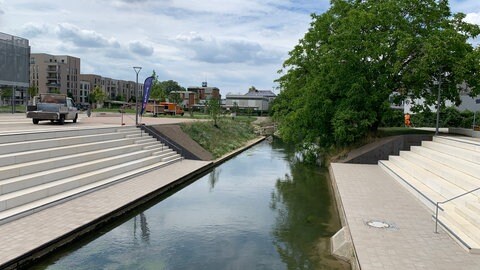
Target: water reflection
(144,230)
(306,217)
(213,177)
(260,210)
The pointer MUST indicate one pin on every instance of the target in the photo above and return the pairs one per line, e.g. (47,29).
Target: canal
(262,209)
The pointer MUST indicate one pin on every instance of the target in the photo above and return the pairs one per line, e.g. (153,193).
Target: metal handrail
(164,139)
(451,199)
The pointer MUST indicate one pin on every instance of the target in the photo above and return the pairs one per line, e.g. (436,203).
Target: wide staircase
(439,171)
(40,169)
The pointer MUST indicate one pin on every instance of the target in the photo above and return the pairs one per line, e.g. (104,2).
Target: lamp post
(137,70)
(438,104)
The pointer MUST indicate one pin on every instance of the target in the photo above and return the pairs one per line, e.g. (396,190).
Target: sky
(231,44)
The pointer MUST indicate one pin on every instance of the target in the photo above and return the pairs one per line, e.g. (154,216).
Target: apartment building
(14,66)
(55,74)
(114,89)
(84,92)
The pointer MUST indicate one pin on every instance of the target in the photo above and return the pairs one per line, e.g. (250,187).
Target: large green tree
(337,80)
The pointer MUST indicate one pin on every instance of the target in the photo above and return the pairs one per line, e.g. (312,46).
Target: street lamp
(438,104)
(137,70)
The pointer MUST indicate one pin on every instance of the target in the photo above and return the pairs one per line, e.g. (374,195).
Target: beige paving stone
(368,193)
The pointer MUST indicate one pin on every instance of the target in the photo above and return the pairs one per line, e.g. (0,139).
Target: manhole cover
(378,224)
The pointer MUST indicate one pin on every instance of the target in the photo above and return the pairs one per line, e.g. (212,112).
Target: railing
(449,200)
(162,139)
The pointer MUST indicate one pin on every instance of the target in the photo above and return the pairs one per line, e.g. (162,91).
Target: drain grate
(378,224)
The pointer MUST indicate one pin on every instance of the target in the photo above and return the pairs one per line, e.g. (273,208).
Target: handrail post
(449,200)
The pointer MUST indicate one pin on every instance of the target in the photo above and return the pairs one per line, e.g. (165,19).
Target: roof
(263,93)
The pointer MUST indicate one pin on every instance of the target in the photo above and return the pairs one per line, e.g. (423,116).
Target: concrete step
(43,135)
(459,164)
(461,153)
(28,156)
(30,180)
(145,139)
(45,164)
(473,206)
(471,216)
(23,196)
(37,205)
(441,170)
(462,180)
(433,181)
(460,142)
(154,145)
(424,193)
(57,142)
(127,129)
(460,230)
(175,157)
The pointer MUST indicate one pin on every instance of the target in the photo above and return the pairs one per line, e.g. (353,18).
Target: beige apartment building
(84,92)
(61,73)
(55,73)
(111,87)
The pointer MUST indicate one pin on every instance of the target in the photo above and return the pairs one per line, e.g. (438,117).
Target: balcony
(53,84)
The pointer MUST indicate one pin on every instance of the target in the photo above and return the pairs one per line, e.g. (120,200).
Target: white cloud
(212,50)
(32,30)
(140,48)
(84,38)
(473,18)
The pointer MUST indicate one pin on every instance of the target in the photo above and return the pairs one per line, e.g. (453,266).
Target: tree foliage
(32,91)
(97,95)
(337,80)
(175,98)
(214,109)
(6,93)
(160,90)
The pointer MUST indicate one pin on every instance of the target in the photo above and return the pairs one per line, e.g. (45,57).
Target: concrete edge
(230,155)
(345,250)
(28,258)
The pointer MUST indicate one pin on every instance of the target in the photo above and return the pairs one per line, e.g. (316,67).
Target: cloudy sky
(233,44)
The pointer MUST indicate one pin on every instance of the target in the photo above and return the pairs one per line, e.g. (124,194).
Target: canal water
(263,209)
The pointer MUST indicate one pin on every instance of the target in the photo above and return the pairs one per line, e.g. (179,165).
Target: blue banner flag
(146,92)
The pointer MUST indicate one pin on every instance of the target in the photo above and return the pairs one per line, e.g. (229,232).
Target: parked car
(53,107)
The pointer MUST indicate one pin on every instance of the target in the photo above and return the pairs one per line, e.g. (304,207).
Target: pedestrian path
(370,195)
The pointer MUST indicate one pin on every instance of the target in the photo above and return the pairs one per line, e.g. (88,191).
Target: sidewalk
(369,194)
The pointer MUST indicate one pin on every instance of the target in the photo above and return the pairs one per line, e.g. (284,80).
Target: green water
(263,209)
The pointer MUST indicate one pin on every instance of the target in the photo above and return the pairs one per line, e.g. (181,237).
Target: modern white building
(256,100)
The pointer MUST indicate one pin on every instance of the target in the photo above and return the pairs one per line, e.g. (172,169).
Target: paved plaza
(369,194)
(17,123)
